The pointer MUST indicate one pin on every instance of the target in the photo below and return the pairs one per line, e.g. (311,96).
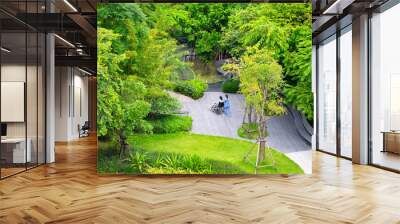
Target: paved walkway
(282,135)
(207,122)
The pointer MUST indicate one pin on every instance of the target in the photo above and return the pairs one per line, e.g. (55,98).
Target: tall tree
(120,101)
(285,30)
(261,84)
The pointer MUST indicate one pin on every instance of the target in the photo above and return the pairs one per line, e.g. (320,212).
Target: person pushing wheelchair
(223,106)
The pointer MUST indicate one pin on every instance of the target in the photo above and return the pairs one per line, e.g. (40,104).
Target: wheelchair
(216,109)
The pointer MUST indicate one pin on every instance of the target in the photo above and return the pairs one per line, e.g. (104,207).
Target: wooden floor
(70,191)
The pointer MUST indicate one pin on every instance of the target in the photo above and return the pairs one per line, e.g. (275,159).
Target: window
(385,89)
(327,95)
(346,92)
(22,93)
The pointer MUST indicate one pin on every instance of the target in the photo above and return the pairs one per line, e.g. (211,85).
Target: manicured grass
(225,154)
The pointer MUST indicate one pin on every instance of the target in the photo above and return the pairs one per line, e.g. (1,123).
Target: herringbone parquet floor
(70,191)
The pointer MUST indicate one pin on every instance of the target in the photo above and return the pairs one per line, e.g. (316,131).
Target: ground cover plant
(249,131)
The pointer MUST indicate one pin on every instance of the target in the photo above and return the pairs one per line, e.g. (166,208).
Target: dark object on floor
(84,130)
(391,142)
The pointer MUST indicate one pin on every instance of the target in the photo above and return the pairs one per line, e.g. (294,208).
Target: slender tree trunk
(249,115)
(123,144)
(245,113)
(261,152)
(261,129)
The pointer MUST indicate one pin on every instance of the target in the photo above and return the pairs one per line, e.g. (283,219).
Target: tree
(297,64)
(200,26)
(120,101)
(261,84)
(284,30)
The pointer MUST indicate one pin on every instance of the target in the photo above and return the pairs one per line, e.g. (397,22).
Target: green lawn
(225,154)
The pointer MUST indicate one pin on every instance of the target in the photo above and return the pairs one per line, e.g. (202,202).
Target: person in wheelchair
(218,108)
(221,103)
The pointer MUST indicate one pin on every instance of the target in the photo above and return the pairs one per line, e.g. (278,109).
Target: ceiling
(332,15)
(73,22)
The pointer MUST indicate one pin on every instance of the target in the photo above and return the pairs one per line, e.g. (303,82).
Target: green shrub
(177,163)
(139,161)
(162,103)
(108,160)
(194,88)
(143,162)
(231,86)
(249,131)
(171,124)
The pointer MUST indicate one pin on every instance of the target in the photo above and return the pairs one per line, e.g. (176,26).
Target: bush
(139,161)
(162,103)
(168,163)
(194,88)
(176,163)
(231,86)
(171,124)
(249,131)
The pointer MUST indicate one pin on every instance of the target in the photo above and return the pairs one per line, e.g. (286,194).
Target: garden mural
(204,88)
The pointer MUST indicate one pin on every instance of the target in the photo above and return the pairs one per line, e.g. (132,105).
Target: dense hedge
(193,88)
(231,86)
(171,124)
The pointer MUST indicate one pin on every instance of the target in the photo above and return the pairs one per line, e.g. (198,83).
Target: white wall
(33,126)
(71,102)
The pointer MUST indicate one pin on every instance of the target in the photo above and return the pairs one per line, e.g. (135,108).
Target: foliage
(188,164)
(284,30)
(207,72)
(194,88)
(139,161)
(139,60)
(136,60)
(266,26)
(225,155)
(171,124)
(249,131)
(231,86)
(121,105)
(162,103)
(200,25)
(164,163)
(260,82)
(108,160)
(169,154)
(298,72)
